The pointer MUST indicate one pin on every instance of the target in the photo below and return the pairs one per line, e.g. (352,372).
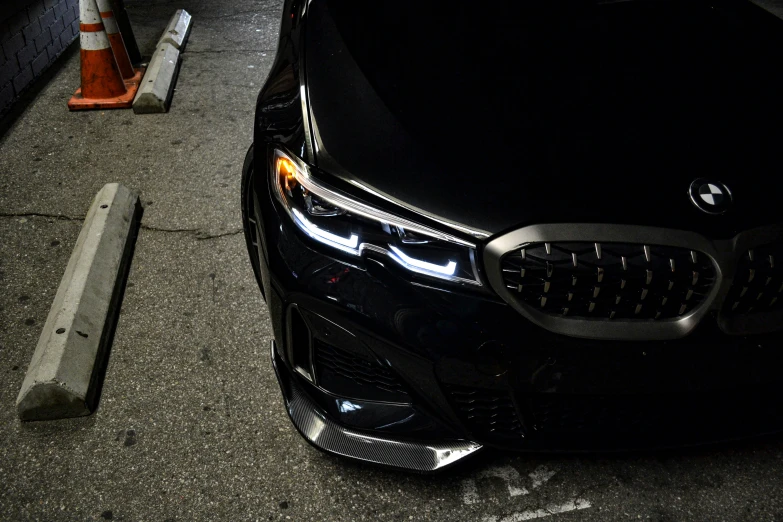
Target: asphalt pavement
(191,424)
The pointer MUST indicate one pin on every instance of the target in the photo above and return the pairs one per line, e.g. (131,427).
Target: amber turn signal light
(287,169)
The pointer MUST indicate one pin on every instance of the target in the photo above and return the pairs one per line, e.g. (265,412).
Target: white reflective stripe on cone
(104,6)
(111,25)
(88,12)
(96,41)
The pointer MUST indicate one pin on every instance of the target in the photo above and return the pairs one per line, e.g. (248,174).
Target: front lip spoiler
(323,433)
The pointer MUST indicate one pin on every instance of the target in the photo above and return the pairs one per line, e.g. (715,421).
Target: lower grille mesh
(617,419)
(343,373)
(609,280)
(487,413)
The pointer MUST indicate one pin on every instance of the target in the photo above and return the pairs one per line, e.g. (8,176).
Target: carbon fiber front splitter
(325,434)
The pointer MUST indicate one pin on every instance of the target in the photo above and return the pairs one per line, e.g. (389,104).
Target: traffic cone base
(124,101)
(138,74)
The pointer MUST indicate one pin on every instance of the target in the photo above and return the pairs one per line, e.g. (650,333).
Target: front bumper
(325,434)
(408,375)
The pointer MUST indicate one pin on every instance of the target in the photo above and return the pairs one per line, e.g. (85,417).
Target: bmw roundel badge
(710,196)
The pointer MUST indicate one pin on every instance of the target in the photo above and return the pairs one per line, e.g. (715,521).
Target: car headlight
(353,227)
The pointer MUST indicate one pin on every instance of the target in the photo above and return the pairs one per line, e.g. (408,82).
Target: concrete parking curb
(178,30)
(157,87)
(64,373)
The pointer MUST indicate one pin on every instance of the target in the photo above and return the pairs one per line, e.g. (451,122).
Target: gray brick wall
(33,33)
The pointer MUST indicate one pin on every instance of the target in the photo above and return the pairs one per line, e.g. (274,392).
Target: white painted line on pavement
(541,475)
(508,474)
(573,505)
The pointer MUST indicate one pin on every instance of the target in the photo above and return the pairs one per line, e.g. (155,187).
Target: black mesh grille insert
(573,416)
(616,420)
(486,413)
(345,374)
(758,283)
(608,280)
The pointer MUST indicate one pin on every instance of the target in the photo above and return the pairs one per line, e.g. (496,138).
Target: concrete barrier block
(157,86)
(62,378)
(178,30)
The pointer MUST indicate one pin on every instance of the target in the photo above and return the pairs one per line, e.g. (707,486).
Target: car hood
(576,112)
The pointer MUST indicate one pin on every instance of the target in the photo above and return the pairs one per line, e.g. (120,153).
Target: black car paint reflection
(478,138)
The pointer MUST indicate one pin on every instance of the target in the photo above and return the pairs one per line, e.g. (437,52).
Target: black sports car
(550,225)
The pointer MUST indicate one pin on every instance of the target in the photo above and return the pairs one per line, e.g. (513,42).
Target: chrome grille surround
(724,255)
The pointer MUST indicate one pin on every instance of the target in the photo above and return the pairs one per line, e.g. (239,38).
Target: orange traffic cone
(118,44)
(102,83)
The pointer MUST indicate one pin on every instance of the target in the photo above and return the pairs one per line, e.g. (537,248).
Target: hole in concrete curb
(60,330)
(104,206)
(82,334)
(130,438)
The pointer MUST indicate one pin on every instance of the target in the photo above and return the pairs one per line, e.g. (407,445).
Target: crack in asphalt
(199,234)
(229,15)
(220,51)
(40,215)
(222,234)
(152,228)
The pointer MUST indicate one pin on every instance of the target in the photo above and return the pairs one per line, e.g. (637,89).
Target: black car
(550,225)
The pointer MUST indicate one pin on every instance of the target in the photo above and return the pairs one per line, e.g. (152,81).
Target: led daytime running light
(346,244)
(289,171)
(405,259)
